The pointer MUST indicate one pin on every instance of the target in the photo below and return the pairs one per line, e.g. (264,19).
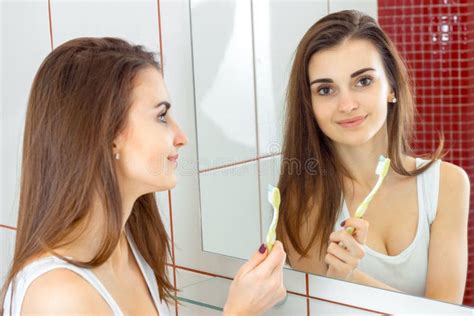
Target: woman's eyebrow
(361,71)
(165,103)
(327,80)
(323,80)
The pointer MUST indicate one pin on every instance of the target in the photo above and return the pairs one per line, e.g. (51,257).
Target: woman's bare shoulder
(454,173)
(454,189)
(62,291)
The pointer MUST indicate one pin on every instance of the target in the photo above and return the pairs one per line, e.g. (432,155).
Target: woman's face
(349,91)
(148,147)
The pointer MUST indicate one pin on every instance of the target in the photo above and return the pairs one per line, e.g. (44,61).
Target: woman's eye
(324,91)
(364,82)
(162,117)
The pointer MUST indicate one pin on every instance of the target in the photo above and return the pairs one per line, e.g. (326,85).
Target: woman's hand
(344,259)
(258,284)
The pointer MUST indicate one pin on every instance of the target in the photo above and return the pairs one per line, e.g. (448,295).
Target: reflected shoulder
(454,189)
(454,177)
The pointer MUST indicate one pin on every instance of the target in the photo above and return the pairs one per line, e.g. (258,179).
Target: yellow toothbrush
(382,169)
(273,195)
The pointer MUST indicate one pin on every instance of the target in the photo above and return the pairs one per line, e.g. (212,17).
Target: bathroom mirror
(226,65)
(242,52)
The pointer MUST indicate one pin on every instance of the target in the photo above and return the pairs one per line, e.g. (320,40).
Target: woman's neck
(361,160)
(86,239)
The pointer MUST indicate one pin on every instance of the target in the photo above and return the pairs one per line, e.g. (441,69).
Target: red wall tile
(436,38)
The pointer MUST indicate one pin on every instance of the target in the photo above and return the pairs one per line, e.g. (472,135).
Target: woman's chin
(163,185)
(353,141)
(169,184)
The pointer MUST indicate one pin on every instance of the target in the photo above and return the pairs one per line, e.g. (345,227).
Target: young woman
(349,102)
(99,140)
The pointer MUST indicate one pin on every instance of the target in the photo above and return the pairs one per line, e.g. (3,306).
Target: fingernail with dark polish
(343,222)
(262,249)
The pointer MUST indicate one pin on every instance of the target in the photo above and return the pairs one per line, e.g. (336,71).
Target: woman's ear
(115,152)
(120,141)
(117,146)
(391,98)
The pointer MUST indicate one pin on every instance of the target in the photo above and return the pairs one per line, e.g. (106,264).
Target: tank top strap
(33,271)
(428,188)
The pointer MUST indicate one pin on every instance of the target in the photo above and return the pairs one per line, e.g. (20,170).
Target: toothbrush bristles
(380,165)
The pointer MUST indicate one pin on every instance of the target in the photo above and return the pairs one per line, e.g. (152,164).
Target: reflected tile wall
(223,81)
(436,39)
(366,6)
(229,210)
(278,26)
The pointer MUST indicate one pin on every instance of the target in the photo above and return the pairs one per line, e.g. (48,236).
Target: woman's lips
(352,122)
(173,158)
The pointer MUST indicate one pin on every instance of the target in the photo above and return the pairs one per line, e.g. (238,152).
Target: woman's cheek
(156,164)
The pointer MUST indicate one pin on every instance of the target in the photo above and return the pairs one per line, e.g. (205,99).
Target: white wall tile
(318,307)
(294,280)
(194,309)
(187,278)
(278,27)
(366,6)
(135,21)
(230,210)
(223,81)
(379,300)
(292,305)
(24,44)
(7,244)
(212,292)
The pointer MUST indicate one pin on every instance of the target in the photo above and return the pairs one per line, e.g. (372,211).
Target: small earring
(117,156)
(394,100)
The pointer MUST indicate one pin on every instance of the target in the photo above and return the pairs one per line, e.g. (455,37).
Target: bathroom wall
(436,38)
(177,29)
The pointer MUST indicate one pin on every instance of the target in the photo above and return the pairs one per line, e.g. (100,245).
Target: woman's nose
(180,138)
(347,103)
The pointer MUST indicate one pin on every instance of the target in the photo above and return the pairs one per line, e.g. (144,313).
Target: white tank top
(29,273)
(406,271)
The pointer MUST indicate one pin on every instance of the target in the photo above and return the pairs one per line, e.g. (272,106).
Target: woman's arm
(447,263)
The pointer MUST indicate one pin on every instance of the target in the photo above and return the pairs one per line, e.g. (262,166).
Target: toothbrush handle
(271,235)
(350,230)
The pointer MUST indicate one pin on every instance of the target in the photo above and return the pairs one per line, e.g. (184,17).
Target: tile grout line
(259,180)
(50,19)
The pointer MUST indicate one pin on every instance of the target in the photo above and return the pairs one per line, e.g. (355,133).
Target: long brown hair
(78,104)
(320,189)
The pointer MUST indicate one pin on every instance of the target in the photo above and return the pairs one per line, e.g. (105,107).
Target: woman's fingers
(344,255)
(354,248)
(274,262)
(345,250)
(361,228)
(253,262)
(334,262)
